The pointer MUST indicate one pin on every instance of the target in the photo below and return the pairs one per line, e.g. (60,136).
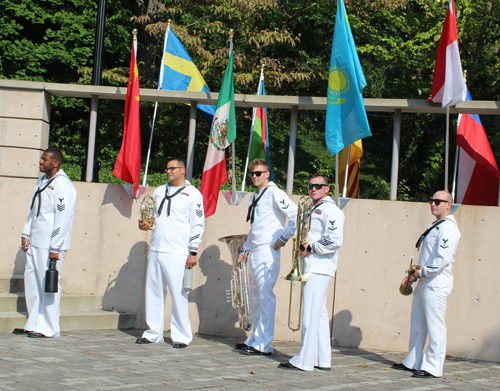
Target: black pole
(96,81)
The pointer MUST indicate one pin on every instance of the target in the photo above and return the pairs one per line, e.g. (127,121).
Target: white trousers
(44,309)
(263,271)
(316,349)
(165,269)
(428,319)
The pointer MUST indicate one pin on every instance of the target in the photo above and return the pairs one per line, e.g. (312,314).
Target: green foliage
(53,40)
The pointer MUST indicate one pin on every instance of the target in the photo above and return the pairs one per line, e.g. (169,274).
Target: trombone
(304,211)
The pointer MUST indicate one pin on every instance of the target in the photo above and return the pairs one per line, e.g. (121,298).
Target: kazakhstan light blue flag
(346,120)
(179,73)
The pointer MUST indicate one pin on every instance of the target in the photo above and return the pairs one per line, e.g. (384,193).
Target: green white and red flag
(222,133)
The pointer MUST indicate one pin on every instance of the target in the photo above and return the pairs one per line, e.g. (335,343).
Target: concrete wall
(109,258)
(109,253)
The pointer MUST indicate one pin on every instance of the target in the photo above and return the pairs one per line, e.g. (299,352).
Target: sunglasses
(437,201)
(170,169)
(256,173)
(317,186)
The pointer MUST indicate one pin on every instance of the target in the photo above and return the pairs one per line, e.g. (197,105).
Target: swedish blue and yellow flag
(346,120)
(179,73)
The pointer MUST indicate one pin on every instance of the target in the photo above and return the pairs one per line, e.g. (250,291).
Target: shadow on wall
(342,333)
(19,262)
(125,289)
(215,314)
(117,195)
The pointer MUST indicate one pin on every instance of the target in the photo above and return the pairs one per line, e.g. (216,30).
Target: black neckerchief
(422,237)
(38,195)
(316,206)
(251,208)
(167,197)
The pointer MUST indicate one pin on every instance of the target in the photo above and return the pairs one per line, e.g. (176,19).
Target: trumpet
(303,227)
(405,288)
(239,294)
(147,210)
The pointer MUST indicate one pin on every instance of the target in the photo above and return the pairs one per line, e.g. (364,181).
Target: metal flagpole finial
(465,75)
(135,32)
(169,22)
(262,67)
(231,33)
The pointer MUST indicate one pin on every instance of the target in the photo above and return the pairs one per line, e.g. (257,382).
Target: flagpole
(447,148)
(457,154)
(243,182)
(337,180)
(344,193)
(156,104)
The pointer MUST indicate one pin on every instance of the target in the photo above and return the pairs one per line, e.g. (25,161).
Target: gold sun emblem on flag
(338,85)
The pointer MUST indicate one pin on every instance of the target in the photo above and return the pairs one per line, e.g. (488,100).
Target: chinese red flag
(128,163)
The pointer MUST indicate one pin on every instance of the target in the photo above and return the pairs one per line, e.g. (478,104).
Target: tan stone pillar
(24,130)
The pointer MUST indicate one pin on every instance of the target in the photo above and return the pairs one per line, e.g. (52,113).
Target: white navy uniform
(49,228)
(437,254)
(325,237)
(269,216)
(177,230)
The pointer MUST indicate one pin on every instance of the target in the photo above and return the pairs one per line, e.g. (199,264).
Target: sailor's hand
(23,244)
(279,243)
(54,256)
(144,225)
(304,252)
(192,261)
(242,258)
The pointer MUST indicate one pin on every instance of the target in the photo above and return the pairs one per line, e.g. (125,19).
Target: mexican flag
(222,133)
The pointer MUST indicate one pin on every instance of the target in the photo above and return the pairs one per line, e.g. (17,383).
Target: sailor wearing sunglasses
(320,256)
(438,246)
(269,208)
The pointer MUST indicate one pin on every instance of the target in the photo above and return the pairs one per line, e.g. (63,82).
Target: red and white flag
(448,86)
(128,163)
(478,175)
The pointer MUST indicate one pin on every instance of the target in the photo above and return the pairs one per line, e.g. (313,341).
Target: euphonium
(239,293)
(405,289)
(147,210)
(303,226)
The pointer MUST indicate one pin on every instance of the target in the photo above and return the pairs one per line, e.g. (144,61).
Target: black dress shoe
(288,365)
(180,345)
(422,374)
(36,335)
(402,367)
(323,368)
(21,332)
(252,350)
(142,341)
(240,346)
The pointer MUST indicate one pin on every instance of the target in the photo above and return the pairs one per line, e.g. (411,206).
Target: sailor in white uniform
(177,231)
(46,237)
(268,211)
(320,256)
(438,246)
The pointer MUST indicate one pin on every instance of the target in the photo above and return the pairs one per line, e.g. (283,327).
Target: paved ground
(110,360)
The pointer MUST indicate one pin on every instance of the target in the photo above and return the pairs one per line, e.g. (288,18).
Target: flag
(353,172)
(478,175)
(448,86)
(346,119)
(222,133)
(259,149)
(179,73)
(128,163)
